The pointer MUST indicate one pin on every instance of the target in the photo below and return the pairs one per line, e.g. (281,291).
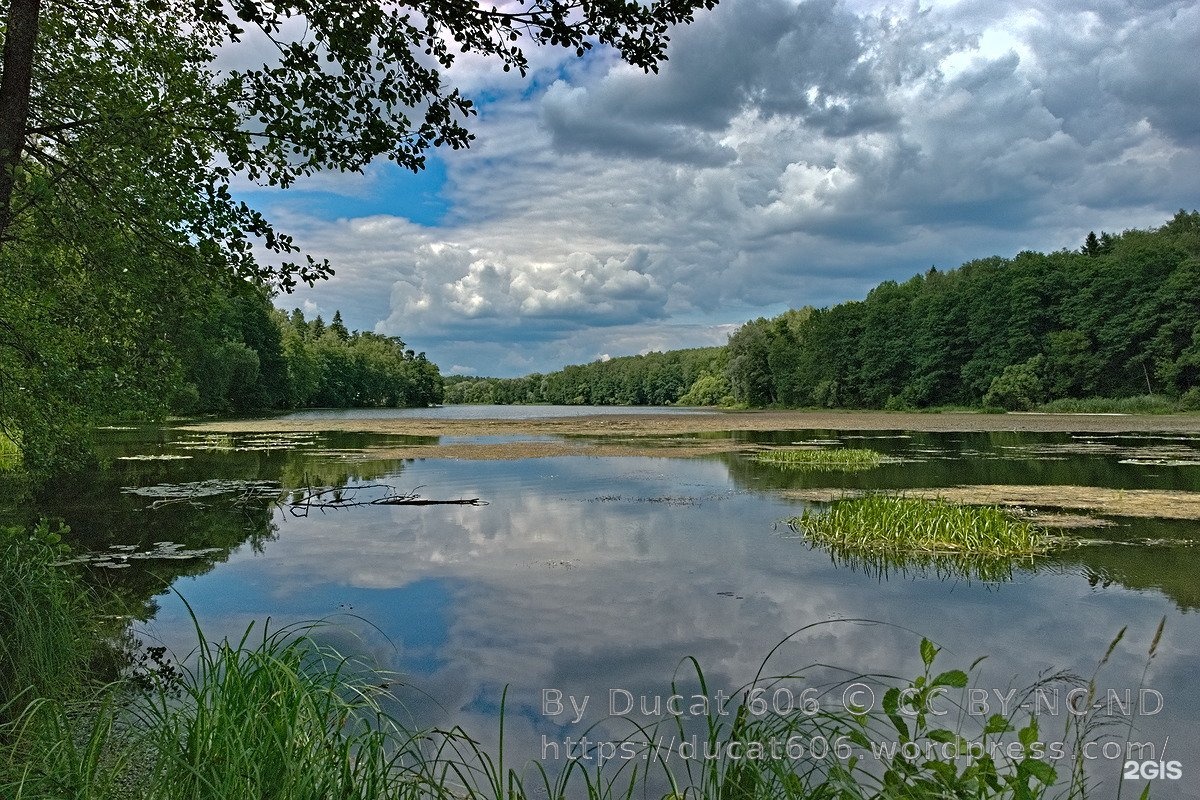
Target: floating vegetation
(557,563)
(882,523)
(154,457)
(223,442)
(877,436)
(119,556)
(847,459)
(1127,453)
(194,492)
(1066,521)
(1159,503)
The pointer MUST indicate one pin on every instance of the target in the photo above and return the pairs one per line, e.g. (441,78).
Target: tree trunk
(20,38)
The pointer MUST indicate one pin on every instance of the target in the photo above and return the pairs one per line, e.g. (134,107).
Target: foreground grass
(883,523)
(47,639)
(278,716)
(842,459)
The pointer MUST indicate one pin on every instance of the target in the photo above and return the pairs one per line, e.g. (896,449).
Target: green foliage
(890,523)
(279,715)
(708,390)
(651,379)
(245,356)
(46,618)
(276,715)
(122,244)
(1121,320)
(88,314)
(845,459)
(10,453)
(1139,404)
(1018,387)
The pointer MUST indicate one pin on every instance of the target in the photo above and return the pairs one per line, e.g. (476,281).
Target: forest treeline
(651,379)
(244,356)
(1118,318)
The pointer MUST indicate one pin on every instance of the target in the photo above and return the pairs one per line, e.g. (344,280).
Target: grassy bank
(1140,404)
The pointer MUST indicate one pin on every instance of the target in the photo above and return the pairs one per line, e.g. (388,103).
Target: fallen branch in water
(335,498)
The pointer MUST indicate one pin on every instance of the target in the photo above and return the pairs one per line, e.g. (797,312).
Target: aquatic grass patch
(886,523)
(842,459)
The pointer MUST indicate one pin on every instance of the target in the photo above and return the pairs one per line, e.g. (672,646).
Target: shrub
(1018,387)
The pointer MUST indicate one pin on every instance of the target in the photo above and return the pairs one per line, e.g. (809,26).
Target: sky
(787,154)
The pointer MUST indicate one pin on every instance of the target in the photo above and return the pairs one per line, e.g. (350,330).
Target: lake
(586,577)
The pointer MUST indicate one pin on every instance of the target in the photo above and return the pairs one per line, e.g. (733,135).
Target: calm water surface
(586,575)
(465,411)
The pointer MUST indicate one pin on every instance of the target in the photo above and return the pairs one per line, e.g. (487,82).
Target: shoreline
(652,425)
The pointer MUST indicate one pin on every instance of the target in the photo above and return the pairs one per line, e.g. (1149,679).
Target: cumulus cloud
(788,153)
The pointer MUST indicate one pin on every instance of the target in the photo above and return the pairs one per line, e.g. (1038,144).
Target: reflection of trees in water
(1168,568)
(1166,565)
(215,501)
(930,460)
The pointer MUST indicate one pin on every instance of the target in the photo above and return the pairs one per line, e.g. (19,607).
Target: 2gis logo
(1152,770)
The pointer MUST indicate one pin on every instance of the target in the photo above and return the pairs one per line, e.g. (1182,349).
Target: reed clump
(274,714)
(887,523)
(846,459)
(46,637)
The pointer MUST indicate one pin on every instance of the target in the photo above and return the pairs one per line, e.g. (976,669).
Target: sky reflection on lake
(592,574)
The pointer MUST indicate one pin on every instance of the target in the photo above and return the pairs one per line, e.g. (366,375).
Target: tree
(338,327)
(119,134)
(748,370)
(365,79)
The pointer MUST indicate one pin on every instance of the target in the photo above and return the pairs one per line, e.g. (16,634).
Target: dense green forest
(652,379)
(1120,317)
(243,356)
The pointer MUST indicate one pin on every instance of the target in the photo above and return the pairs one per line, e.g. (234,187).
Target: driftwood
(348,497)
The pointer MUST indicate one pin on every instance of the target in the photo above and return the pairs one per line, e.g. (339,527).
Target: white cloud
(788,153)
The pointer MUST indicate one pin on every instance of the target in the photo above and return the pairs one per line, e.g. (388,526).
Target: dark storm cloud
(815,61)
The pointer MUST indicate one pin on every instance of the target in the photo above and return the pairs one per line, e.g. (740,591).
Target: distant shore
(652,425)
